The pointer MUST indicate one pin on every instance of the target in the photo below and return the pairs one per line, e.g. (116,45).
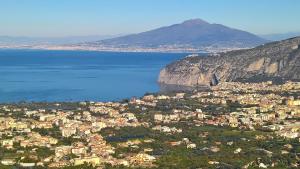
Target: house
(179,95)
(129,116)
(233,121)
(265,117)
(200,115)
(199,110)
(175,143)
(7,143)
(62,151)
(27,165)
(158,117)
(148,150)
(162,97)
(191,145)
(24,143)
(52,140)
(214,149)
(238,150)
(294,102)
(79,148)
(59,164)
(94,160)
(67,132)
(213,162)
(281,114)
(174,117)
(30,113)
(47,117)
(148,98)
(142,158)
(8,161)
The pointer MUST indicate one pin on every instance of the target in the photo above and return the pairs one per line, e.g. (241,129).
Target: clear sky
(108,17)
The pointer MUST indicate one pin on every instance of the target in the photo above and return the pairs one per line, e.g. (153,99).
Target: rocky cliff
(272,61)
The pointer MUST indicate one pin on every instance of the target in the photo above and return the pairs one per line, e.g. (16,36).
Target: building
(67,132)
(90,160)
(158,117)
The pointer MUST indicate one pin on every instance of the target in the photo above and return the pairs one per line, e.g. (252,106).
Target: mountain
(277,61)
(282,36)
(191,36)
(191,33)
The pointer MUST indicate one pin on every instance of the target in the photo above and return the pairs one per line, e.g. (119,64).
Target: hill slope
(193,33)
(277,60)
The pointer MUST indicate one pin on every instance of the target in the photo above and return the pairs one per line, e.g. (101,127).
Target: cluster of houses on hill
(260,105)
(81,127)
(73,136)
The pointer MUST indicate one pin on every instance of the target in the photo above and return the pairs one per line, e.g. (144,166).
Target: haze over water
(40,75)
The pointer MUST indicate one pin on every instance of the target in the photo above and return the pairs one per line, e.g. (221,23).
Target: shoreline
(124,50)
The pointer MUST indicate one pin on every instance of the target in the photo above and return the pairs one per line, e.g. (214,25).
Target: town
(231,125)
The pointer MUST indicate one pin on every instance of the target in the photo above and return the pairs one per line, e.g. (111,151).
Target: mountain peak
(195,32)
(195,22)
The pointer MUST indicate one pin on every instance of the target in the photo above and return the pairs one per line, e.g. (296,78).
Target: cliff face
(277,60)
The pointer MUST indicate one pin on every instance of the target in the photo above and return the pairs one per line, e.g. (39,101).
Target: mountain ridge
(280,36)
(190,36)
(273,61)
(193,33)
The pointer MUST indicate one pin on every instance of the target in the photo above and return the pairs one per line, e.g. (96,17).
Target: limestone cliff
(277,60)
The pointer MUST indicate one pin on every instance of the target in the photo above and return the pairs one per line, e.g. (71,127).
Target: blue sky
(107,17)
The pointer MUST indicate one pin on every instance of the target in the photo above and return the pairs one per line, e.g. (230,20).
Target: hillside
(273,61)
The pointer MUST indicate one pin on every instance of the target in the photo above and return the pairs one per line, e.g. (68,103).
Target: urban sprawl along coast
(231,125)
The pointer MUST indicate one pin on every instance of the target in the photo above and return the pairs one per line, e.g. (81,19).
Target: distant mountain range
(191,33)
(280,36)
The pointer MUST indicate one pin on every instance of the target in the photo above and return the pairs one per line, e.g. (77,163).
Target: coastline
(113,49)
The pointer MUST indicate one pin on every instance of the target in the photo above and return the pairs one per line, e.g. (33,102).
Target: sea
(64,76)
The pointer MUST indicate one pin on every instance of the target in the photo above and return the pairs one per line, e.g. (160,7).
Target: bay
(43,75)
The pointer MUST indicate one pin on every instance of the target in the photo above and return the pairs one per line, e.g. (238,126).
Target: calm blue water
(36,75)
